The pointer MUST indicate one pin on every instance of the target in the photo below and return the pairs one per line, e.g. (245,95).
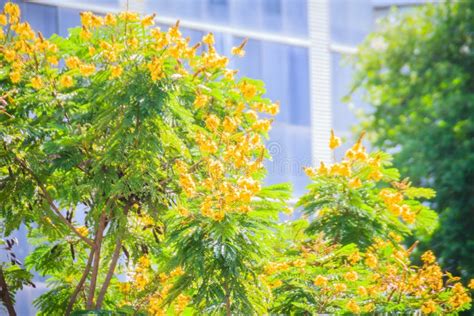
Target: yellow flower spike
(310,172)
(239,50)
(208,39)
(87,69)
(86,18)
(115,71)
(66,81)
(274,109)
(110,20)
(262,126)
(334,141)
(15,76)
(173,32)
(355,183)
(37,83)
(13,10)
(323,170)
(471,284)
(428,257)
(149,20)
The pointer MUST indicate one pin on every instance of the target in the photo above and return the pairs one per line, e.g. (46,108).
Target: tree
(417,73)
(114,134)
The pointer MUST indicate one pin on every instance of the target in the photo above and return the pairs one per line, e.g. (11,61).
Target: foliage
(416,72)
(107,135)
(349,258)
(135,161)
(362,198)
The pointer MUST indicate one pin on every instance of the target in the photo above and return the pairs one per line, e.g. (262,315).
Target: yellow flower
(73,62)
(83,230)
(3,19)
(87,69)
(361,291)
(15,76)
(353,307)
(86,18)
(144,261)
(129,16)
(299,263)
(310,172)
(110,19)
(248,90)
(429,307)
(471,284)
(66,81)
(53,60)
(354,257)
(355,183)
(371,261)
(208,39)
(212,122)
(334,141)
(116,71)
(262,126)
(428,257)
(13,10)
(340,287)
(239,50)
(156,69)
(320,281)
(37,83)
(351,276)
(10,55)
(200,100)
(85,34)
(149,20)
(229,74)
(323,170)
(133,42)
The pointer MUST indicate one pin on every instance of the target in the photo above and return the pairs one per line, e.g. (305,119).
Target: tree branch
(5,295)
(50,201)
(78,288)
(113,262)
(95,270)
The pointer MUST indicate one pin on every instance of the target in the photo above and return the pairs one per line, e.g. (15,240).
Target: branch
(95,270)
(113,262)
(5,295)
(52,205)
(78,288)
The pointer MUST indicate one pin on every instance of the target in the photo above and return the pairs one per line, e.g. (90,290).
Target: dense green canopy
(417,73)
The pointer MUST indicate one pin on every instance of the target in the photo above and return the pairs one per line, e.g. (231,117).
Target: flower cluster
(149,289)
(339,279)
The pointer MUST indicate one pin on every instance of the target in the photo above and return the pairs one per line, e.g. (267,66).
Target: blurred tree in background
(417,73)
